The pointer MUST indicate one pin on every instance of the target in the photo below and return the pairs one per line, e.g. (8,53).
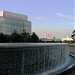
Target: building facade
(10,22)
(67,39)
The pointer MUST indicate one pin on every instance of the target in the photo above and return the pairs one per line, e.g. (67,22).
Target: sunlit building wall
(10,22)
(67,39)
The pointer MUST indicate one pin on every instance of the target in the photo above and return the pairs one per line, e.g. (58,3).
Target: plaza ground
(72,50)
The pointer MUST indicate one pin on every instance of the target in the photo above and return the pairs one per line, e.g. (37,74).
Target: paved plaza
(72,51)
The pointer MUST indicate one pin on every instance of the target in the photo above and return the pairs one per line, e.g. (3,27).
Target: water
(32,58)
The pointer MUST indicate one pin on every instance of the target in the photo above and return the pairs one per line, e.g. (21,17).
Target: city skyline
(45,15)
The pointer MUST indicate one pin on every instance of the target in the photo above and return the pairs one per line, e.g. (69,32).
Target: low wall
(32,58)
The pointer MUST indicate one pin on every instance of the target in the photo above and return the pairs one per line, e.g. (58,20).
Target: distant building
(45,39)
(49,40)
(10,22)
(67,39)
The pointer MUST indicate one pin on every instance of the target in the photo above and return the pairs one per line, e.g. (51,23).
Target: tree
(73,35)
(2,38)
(25,36)
(34,37)
(7,38)
(15,37)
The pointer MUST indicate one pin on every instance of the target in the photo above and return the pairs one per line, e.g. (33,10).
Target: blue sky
(56,16)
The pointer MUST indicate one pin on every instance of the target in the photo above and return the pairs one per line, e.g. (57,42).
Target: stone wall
(31,59)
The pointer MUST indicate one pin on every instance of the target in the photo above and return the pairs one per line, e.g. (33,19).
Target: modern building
(10,22)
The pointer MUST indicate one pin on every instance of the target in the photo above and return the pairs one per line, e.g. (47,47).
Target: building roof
(8,14)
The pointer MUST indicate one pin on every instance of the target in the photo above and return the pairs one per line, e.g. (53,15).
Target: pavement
(73,73)
(72,50)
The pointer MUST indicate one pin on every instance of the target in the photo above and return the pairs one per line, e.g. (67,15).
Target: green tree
(15,37)
(7,38)
(34,37)
(73,35)
(2,38)
(25,36)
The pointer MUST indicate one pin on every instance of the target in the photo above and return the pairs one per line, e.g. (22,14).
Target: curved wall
(32,58)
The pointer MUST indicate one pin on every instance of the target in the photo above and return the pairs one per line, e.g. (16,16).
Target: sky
(55,17)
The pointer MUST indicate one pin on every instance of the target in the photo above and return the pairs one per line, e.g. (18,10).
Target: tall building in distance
(10,22)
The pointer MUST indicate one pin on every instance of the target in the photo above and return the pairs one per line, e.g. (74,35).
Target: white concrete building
(67,39)
(10,22)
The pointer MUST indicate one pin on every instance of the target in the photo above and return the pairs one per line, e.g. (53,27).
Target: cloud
(40,18)
(64,15)
(60,14)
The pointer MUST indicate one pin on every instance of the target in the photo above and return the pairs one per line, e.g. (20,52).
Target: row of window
(15,21)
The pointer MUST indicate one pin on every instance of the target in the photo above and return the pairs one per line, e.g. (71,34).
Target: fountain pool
(33,58)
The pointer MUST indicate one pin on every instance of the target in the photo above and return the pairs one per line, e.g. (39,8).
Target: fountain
(32,58)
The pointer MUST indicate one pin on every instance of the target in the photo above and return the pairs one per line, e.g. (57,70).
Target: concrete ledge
(13,45)
(69,69)
(33,58)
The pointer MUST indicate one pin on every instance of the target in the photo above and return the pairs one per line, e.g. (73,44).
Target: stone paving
(73,73)
(72,50)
